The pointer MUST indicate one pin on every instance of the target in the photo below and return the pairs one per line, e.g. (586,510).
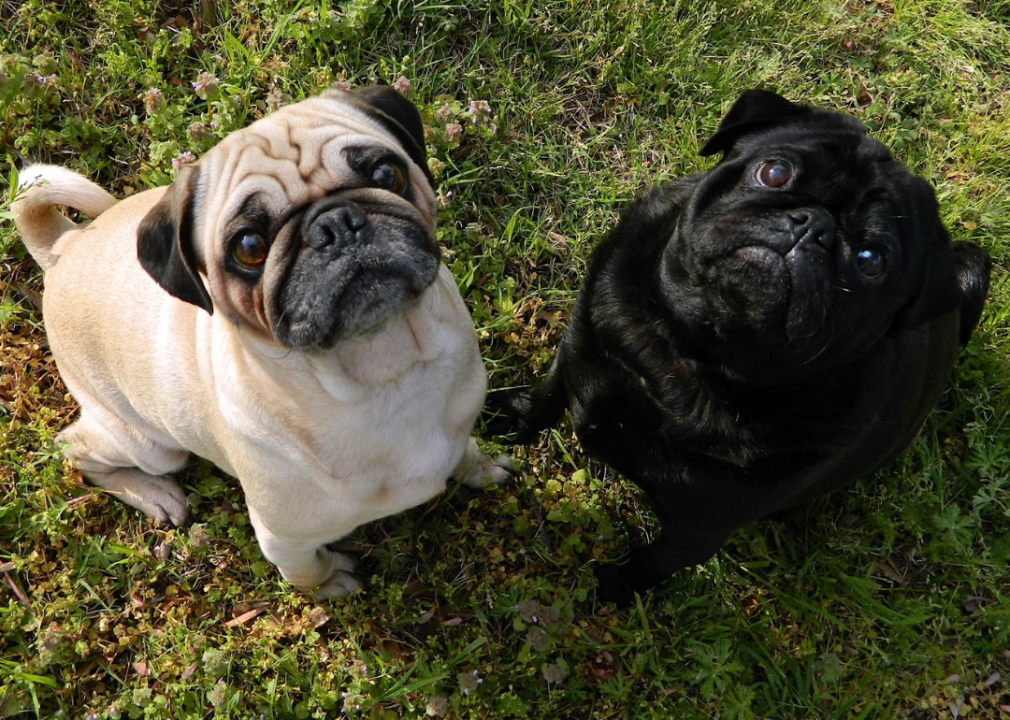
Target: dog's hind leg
(106,463)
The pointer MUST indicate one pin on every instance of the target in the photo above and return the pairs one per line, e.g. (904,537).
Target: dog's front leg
(307,563)
(696,512)
(525,412)
(648,566)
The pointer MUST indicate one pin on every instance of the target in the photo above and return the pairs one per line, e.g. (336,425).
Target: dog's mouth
(781,298)
(353,271)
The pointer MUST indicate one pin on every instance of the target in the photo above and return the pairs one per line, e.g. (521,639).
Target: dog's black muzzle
(359,262)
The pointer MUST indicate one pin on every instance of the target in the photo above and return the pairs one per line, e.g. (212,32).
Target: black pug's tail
(972,266)
(522,413)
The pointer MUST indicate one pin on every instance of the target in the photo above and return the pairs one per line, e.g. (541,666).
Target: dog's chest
(381,422)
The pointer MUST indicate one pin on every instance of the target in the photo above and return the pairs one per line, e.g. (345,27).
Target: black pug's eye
(390,176)
(250,249)
(774,173)
(871,262)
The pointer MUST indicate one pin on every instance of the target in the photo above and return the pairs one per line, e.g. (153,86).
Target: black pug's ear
(753,110)
(397,114)
(165,242)
(937,291)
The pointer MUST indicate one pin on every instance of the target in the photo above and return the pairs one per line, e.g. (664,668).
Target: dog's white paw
(159,497)
(341,582)
(489,471)
(340,585)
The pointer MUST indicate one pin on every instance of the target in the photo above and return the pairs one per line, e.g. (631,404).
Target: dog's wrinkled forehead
(822,145)
(763,125)
(295,156)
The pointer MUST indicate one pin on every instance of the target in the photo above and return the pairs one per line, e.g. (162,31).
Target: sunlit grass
(888,600)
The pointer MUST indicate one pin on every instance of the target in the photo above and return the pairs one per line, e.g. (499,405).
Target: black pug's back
(754,336)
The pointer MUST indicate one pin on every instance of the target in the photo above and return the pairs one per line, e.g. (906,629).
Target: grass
(890,600)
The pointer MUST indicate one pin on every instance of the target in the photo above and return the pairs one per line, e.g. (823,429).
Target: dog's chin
(362,308)
(777,300)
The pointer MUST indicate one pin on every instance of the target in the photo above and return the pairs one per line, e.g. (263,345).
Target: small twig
(17,591)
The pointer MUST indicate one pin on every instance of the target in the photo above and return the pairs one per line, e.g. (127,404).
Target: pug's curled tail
(42,189)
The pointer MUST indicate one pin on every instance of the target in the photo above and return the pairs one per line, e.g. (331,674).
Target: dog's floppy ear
(753,110)
(165,242)
(397,114)
(937,291)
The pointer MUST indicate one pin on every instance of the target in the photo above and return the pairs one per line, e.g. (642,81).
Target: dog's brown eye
(774,174)
(871,262)
(389,176)
(250,250)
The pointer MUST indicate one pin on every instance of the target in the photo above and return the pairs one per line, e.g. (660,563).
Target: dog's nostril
(354,218)
(810,225)
(336,226)
(800,217)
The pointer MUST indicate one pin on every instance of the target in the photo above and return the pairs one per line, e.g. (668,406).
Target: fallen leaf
(889,572)
(244,617)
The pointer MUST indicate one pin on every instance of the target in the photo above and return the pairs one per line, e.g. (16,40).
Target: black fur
(727,353)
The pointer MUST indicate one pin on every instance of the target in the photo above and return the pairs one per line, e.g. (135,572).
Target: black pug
(759,334)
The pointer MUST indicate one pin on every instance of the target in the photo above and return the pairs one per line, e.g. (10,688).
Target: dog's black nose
(809,225)
(334,222)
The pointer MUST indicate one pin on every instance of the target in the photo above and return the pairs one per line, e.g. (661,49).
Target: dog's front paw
(612,587)
(489,471)
(503,415)
(342,582)
(340,585)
